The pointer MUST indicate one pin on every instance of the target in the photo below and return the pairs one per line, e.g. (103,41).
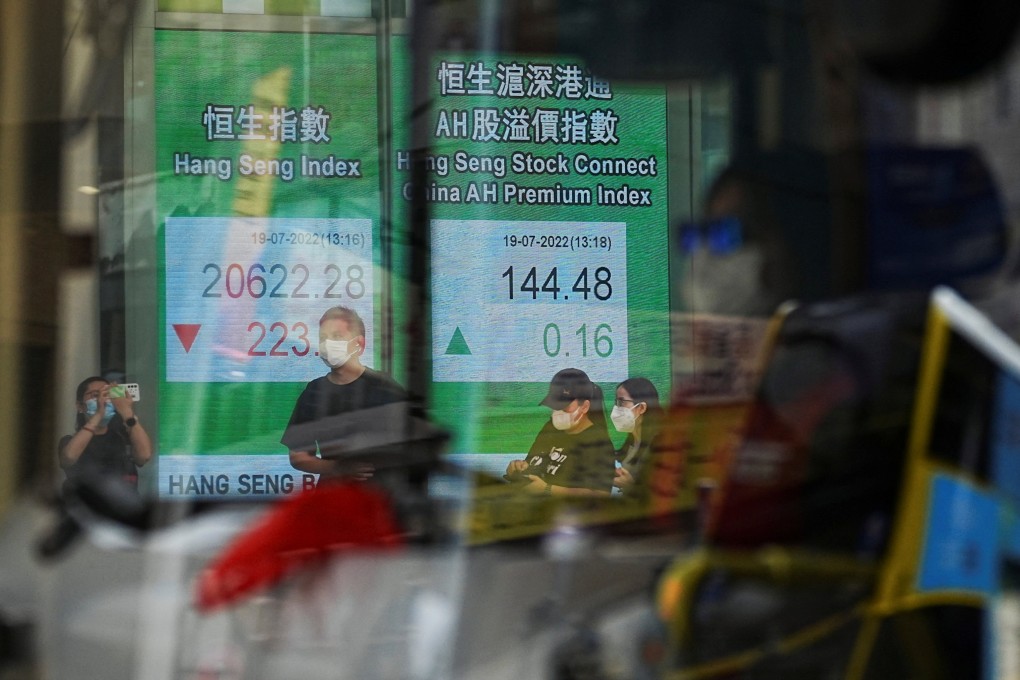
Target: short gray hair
(347,315)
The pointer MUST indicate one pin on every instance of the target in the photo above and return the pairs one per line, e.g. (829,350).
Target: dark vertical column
(31,252)
(112,256)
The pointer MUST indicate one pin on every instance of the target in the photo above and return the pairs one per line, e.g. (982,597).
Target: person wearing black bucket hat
(572,454)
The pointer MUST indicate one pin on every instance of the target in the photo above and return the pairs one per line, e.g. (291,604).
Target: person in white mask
(636,412)
(572,454)
(327,411)
(733,261)
(108,438)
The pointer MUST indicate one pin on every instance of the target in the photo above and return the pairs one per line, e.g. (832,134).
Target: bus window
(961,431)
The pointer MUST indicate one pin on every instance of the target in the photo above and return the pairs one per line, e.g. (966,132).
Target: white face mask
(92,405)
(623,418)
(726,284)
(336,353)
(562,420)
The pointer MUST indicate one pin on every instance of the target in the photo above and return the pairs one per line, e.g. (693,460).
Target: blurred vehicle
(847,539)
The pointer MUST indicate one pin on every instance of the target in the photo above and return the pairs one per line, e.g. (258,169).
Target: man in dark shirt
(585,460)
(350,408)
(572,454)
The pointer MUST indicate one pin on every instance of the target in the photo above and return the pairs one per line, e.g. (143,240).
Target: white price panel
(516,301)
(244,295)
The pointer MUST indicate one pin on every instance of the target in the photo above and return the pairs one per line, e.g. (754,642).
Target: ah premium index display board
(549,240)
(268,210)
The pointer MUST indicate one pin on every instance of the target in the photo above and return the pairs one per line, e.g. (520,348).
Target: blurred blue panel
(934,216)
(962,537)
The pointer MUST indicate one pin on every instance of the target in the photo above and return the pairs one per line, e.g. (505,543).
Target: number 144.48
(599,285)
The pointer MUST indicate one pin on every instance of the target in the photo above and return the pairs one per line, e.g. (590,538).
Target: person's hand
(358,471)
(123,405)
(623,478)
(96,419)
(516,467)
(536,485)
(362,472)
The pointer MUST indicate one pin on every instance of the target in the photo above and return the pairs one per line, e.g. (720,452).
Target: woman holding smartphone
(108,437)
(572,454)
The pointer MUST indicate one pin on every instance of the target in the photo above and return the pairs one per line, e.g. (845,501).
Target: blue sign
(962,539)
(934,216)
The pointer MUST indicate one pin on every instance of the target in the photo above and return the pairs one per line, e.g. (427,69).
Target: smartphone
(126,389)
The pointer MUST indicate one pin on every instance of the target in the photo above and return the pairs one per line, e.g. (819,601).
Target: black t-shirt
(108,453)
(586,460)
(319,414)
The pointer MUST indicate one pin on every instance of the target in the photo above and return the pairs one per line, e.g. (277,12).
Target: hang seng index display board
(548,192)
(268,201)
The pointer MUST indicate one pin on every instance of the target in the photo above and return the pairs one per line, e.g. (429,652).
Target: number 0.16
(602,343)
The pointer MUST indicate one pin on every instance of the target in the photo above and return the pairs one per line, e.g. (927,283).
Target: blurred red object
(298,531)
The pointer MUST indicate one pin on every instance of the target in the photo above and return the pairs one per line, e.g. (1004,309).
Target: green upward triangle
(458,345)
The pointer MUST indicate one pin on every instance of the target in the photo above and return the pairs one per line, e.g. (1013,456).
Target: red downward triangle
(186,333)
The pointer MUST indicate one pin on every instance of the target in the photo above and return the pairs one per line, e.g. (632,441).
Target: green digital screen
(268,209)
(548,196)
